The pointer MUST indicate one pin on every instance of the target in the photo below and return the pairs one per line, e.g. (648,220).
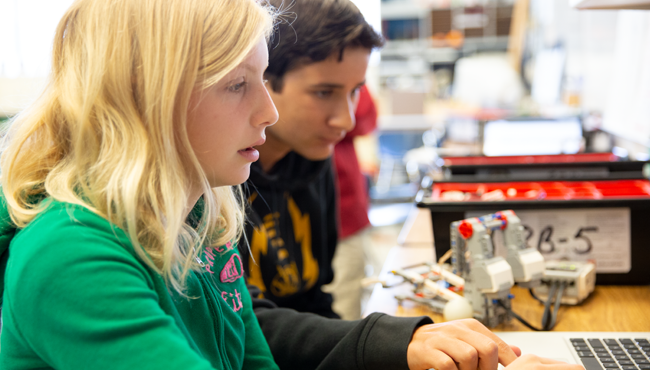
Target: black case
(444,213)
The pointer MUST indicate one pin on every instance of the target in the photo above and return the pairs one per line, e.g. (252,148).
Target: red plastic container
(544,190)
(452,201)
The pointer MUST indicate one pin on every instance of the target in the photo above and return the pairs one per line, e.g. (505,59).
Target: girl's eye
(238,86)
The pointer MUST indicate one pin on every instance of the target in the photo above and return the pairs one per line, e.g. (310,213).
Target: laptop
(593,350)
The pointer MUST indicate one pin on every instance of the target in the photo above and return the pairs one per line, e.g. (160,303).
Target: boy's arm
(308,341)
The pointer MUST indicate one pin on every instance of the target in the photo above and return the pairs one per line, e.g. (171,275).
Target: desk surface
(609,308)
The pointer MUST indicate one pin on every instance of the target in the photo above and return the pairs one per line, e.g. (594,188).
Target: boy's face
(316,104)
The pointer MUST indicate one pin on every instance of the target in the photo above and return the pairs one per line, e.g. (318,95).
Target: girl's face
(226,121)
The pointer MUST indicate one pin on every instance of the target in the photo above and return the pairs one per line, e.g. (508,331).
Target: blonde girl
(119,191)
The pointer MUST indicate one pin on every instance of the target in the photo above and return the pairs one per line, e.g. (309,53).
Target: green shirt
(77,297)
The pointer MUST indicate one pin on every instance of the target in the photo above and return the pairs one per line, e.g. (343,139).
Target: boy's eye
(324,93)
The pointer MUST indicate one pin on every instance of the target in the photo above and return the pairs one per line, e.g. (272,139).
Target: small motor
(579,279)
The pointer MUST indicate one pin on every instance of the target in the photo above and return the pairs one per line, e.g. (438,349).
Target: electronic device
(488,278)
(579,279)
(593,350)
(484,278)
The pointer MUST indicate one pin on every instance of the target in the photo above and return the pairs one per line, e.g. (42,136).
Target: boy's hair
(312,30)
(109,131)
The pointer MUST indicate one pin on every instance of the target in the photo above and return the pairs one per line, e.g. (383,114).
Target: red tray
(540,190)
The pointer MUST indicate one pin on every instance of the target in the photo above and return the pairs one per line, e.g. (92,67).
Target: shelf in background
(611,4)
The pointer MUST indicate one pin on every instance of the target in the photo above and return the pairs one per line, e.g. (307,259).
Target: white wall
(27,28)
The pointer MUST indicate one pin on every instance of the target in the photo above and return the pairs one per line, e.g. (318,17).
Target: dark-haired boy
(317,63)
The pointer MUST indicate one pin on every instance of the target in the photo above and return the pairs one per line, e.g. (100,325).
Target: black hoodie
(292,230)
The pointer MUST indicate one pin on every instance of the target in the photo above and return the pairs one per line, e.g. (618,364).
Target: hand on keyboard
(469,345)
(460,344)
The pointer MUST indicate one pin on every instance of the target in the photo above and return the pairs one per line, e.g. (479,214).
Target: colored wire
(546,316)
(549,316)
(532,294)
(558,301)
(519,318)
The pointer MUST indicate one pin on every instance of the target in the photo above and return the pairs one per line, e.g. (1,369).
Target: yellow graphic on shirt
(302,233)
(287,281)
(283,254)
(258,248)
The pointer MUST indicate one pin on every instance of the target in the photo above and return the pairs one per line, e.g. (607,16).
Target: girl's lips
(250,154)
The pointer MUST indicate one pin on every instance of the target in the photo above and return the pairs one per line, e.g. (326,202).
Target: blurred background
(502,77)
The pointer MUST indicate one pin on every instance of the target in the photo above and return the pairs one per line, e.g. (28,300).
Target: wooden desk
(609,308)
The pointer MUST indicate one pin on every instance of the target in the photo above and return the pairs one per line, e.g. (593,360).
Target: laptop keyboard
(611,354)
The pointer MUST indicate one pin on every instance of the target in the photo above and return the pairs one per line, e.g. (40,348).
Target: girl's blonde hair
(109,131)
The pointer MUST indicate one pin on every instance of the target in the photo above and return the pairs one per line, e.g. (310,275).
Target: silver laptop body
(594,350)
